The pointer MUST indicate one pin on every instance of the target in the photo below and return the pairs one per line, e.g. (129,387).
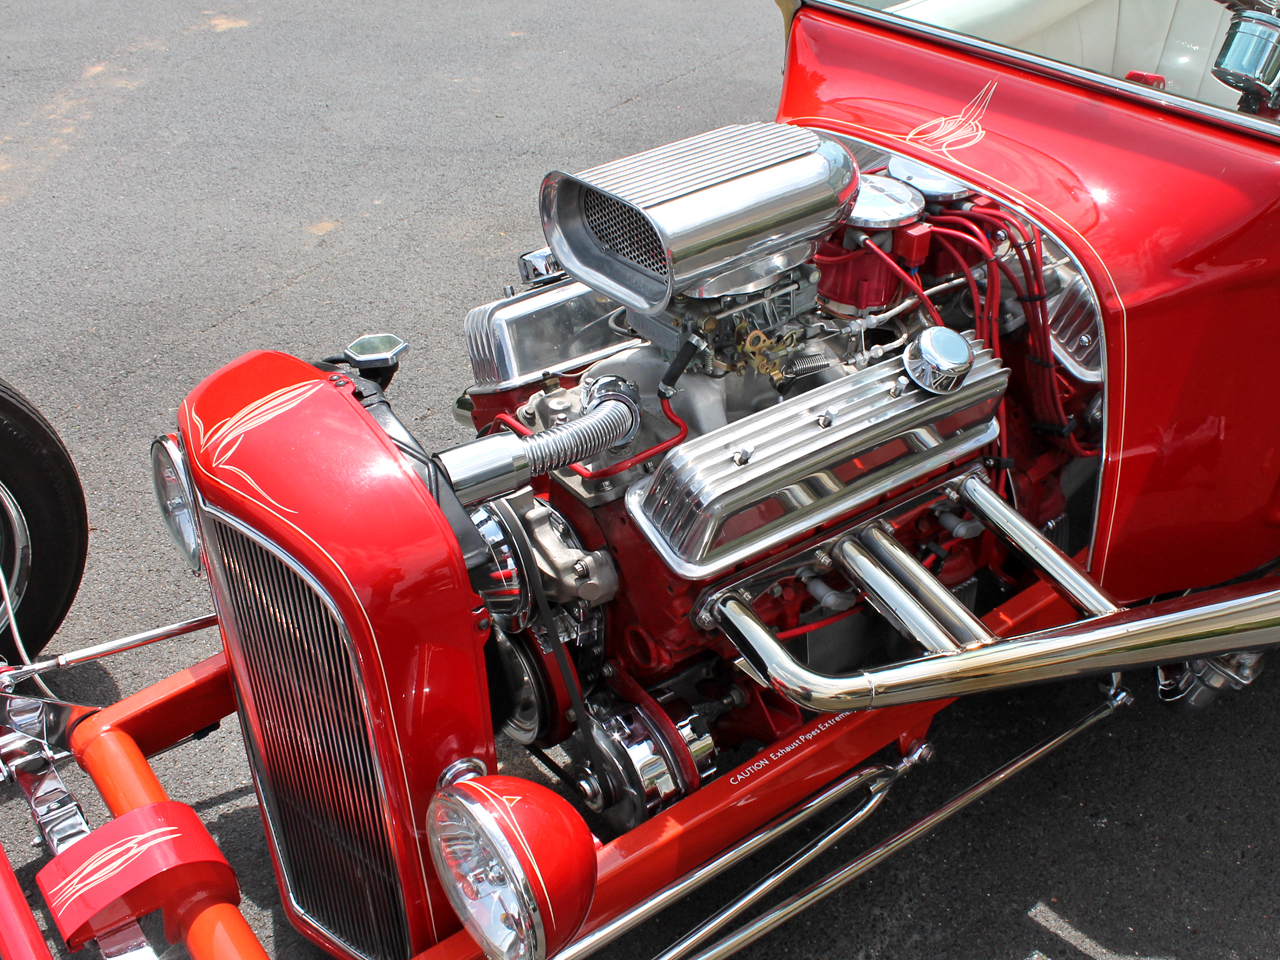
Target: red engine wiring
(1042,365)
(911,283)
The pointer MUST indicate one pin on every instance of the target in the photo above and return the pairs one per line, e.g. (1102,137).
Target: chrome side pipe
(1059,569)
(938,602)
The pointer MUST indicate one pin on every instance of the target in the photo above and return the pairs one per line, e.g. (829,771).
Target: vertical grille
(310,747)
(623,230)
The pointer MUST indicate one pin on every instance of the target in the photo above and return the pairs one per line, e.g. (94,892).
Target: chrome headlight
(483,878)
(177,502)
(517,861)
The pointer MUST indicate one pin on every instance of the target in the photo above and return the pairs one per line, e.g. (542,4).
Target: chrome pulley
(643,773)
(501,585)
(527,712)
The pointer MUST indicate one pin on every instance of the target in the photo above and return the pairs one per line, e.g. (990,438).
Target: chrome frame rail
(833,793)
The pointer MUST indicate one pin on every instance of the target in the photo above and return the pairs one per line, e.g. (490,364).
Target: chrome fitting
(603,389)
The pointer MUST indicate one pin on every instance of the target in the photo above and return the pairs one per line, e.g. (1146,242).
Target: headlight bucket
(517,862)
(176,498)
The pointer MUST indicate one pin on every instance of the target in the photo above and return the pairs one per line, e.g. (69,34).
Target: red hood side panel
(1178,225)
(277,444)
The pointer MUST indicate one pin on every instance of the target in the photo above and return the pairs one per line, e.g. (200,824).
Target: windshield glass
(1168,44)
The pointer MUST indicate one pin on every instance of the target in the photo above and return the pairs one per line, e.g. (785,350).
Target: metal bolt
(822,562)
(508,290)
(1085,340)
(899,387)
(826,418)
(591,792)
(705,621)
(571,716)
(742,456)
(608,670)
(580,568)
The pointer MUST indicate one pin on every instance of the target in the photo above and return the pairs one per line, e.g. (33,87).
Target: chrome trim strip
(1054,69)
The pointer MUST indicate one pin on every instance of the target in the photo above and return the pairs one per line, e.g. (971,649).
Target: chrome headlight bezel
(176,497)
(485,832)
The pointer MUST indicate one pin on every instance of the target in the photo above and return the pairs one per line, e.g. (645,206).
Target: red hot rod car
(797,431)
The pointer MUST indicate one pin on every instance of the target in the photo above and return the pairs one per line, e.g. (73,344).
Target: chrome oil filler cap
(884,202)
(938,359)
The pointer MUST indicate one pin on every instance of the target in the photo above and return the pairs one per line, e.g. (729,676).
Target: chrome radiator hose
(580,439)
(503,462)
(1204,625)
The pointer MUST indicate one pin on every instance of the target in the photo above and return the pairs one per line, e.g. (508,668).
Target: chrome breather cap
(884,202)
(938,359)
(648,227)
(932,184)
(1250,56)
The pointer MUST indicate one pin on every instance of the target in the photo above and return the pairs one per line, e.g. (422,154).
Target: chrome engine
(713,367)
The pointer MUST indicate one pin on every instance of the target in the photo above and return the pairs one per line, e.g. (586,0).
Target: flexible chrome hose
(581,439)
(501,462)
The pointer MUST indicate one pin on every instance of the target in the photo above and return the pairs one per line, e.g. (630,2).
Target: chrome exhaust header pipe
(962,656)
(1221,621)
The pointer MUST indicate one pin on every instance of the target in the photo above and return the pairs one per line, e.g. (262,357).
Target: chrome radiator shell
(767,478)
(644,228)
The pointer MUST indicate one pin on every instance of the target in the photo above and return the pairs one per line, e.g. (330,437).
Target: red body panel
(1177,223)
(274,442)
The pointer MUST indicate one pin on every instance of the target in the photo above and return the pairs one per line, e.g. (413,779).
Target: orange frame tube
(112,746)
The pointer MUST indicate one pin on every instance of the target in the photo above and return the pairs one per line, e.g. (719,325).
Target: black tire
(37,473)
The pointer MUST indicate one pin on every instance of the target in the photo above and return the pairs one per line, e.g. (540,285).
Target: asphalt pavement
(181,183)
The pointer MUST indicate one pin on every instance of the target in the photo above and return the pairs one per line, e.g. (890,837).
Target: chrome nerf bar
(963,656)
(793,905)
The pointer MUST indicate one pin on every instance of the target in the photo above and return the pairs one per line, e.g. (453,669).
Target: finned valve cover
(642,229)
(733,493)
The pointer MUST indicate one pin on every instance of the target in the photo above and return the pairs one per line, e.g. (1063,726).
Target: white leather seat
(1178,39)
